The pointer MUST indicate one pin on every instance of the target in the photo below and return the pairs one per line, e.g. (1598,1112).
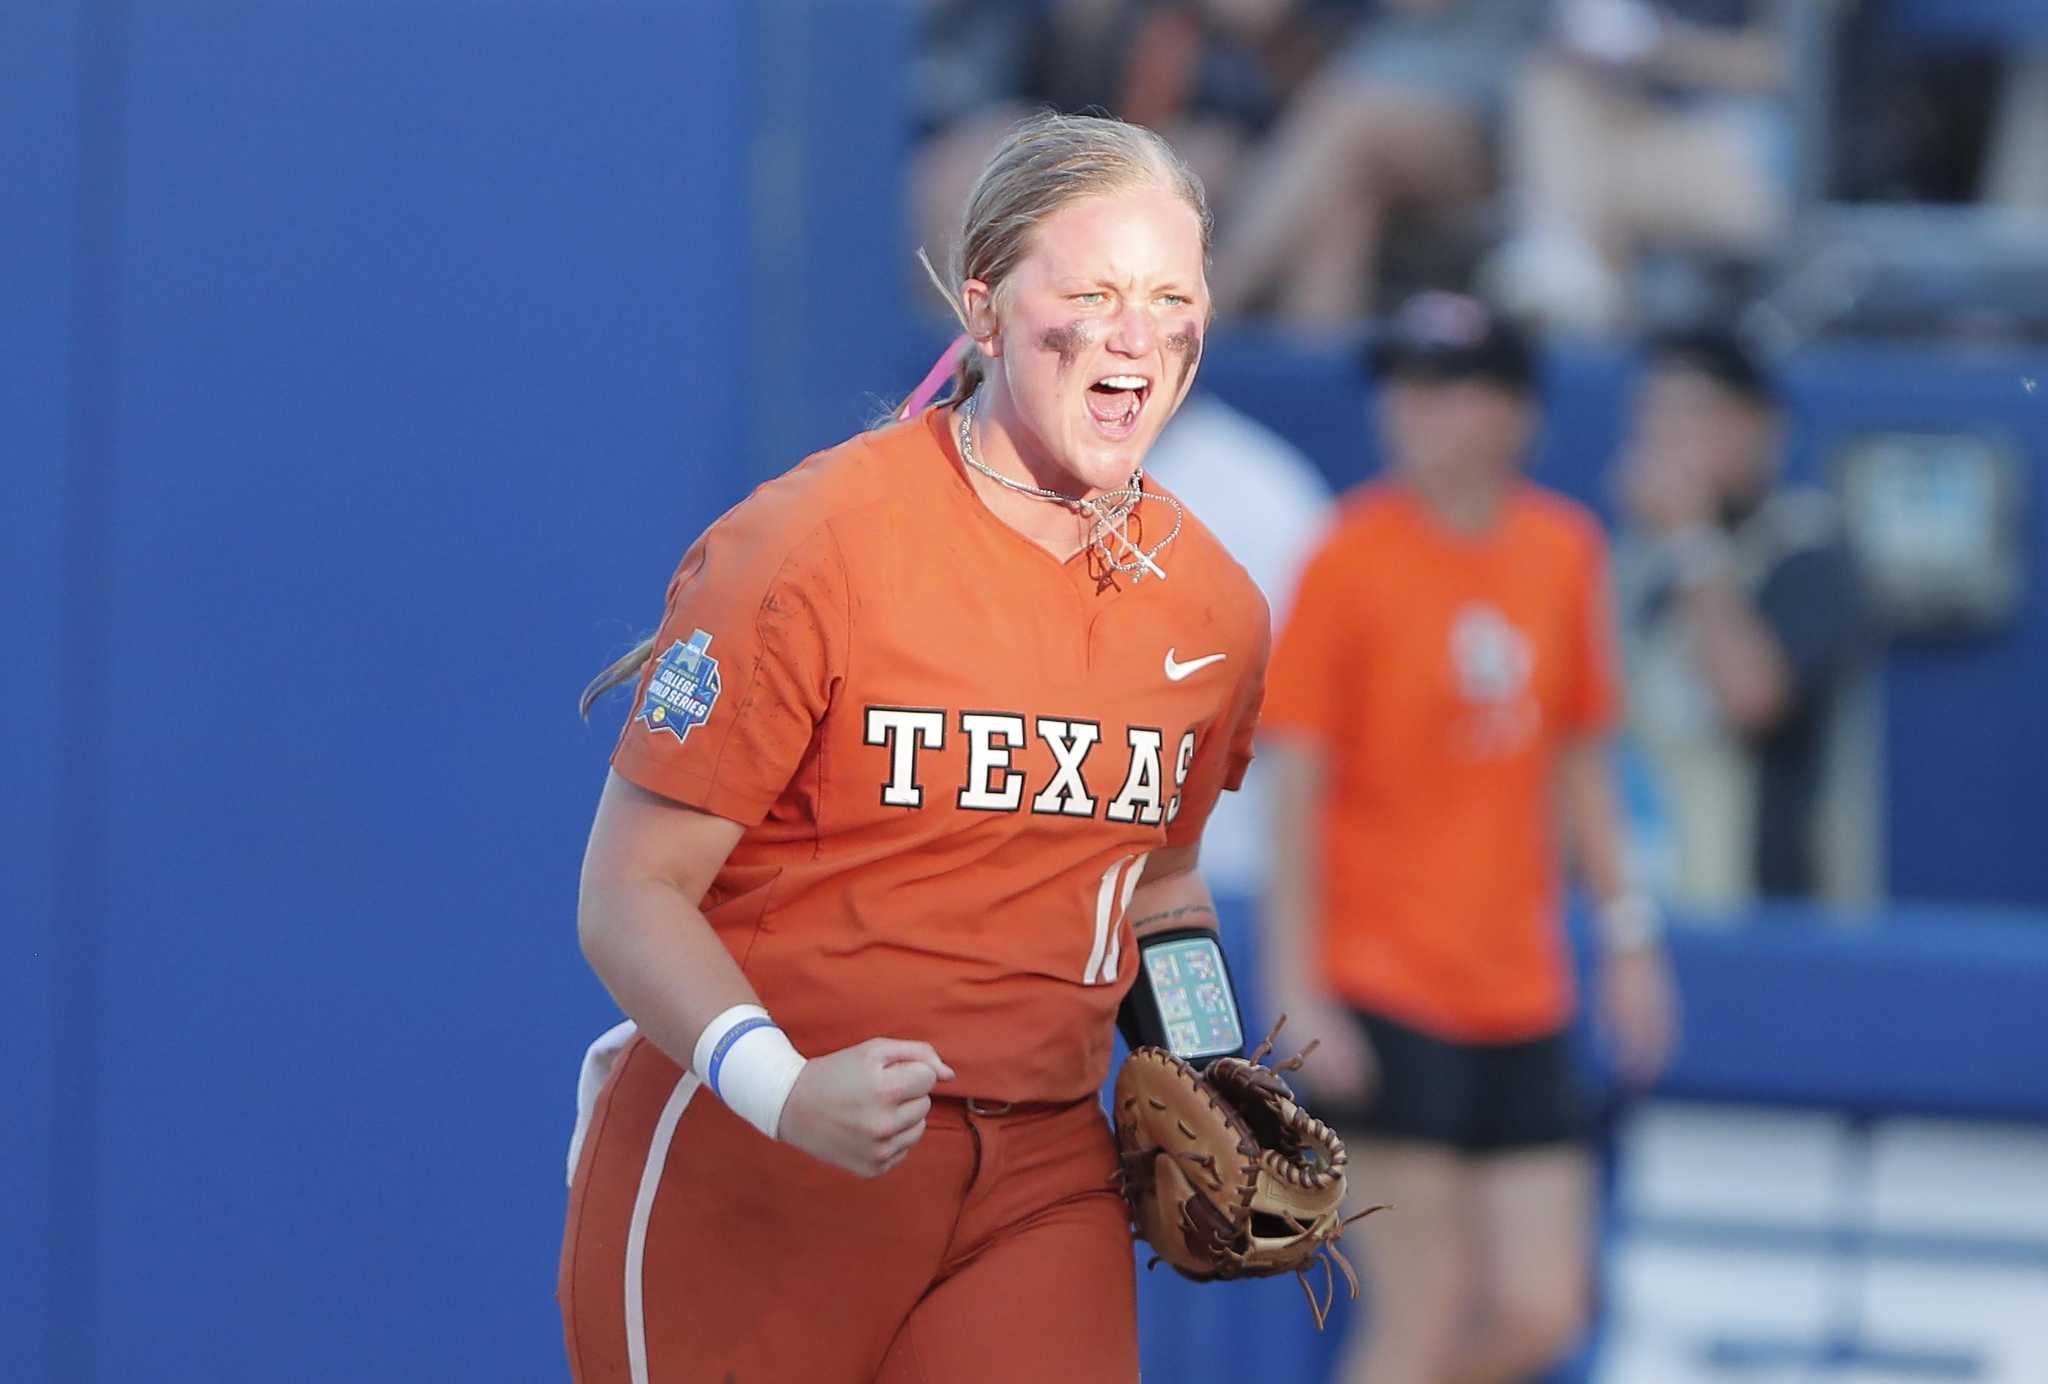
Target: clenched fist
(862,1108)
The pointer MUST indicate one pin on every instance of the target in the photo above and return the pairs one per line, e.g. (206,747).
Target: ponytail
(626,669)
(970,372)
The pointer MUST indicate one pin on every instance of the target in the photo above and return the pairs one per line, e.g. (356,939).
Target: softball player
(916,770)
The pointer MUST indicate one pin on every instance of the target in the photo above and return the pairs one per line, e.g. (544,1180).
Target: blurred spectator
(1402,120)
(1268,504)
(1209,75)
(1740,628)
(1436,714)
(1642,124)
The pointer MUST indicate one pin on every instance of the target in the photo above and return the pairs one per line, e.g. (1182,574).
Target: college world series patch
(683,689)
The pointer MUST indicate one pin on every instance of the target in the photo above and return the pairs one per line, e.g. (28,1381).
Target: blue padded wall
(39,56)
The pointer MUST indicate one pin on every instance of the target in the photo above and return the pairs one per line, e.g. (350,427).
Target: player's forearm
(1593,819)
(1177,898)
(1294,782)
(1626,918)
(661,960)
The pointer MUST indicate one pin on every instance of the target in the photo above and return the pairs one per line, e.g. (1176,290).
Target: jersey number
(1112,901)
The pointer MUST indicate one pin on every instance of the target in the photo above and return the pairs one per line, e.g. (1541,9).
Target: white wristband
(749,1064)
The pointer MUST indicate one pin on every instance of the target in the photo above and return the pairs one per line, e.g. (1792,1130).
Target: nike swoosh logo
(1176,671)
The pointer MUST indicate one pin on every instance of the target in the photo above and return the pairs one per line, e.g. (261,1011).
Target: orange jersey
(951,752)
(1440,674)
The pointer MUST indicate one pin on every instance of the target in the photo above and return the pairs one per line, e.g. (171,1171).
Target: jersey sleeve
(1306,679)
(1224,754)
(1592,700)
(751,645)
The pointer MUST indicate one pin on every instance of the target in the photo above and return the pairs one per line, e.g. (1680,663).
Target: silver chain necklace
(1107,511)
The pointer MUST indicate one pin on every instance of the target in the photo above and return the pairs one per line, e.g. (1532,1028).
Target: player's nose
(1133,333)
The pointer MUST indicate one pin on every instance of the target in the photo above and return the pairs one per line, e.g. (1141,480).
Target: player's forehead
(1139,236)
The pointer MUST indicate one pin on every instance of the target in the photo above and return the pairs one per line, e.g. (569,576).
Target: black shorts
(1477,1098)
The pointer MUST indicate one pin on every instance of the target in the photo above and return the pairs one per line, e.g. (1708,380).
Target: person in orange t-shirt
(1440,693)
(916,771)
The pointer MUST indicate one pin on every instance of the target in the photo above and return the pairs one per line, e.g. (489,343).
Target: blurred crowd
(1595,166)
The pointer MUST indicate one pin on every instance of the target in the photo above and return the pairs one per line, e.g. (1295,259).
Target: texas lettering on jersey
(993,783)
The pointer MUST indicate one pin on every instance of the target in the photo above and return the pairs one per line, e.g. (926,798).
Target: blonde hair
(1043,164)
(623,669)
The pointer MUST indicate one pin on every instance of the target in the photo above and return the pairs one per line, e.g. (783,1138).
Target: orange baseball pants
(699,1252)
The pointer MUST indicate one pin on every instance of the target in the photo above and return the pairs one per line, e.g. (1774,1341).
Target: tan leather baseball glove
(1227,1176)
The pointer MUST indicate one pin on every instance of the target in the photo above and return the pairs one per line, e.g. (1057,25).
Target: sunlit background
(368,367)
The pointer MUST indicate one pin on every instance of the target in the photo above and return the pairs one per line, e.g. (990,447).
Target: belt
(992,1109)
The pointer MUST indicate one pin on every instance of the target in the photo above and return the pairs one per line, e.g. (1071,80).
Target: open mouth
(1115,403)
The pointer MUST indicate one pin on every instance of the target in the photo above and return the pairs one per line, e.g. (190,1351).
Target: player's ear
(978,305)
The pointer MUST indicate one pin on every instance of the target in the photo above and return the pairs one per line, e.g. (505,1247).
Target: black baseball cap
(1451,336)
(1720,355)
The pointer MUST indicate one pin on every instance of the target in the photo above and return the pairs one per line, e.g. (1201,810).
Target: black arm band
(1183,1000)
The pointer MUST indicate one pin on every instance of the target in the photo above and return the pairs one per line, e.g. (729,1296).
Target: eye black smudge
(1067,342)
(1187,344)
